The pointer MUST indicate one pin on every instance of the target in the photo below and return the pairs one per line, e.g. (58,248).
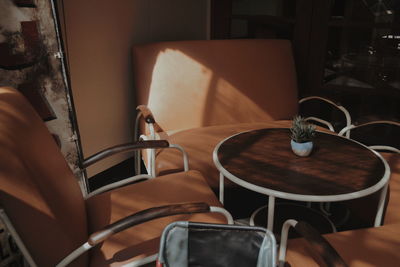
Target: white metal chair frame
(124,223)
(326,123)
(346,131)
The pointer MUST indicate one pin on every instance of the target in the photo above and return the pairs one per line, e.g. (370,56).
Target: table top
(337,169)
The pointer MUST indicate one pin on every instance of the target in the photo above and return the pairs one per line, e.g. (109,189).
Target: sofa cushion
(143,240)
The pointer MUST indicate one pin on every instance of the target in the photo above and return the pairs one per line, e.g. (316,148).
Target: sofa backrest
(38,191)
(190,84)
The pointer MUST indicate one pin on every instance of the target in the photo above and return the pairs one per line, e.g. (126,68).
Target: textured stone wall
(29,61)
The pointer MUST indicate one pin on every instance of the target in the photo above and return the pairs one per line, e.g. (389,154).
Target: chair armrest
(326,123)
(322,247)
(122,149)
(144,216)
(138,218)
(145,112)
(330,102)
(380,147)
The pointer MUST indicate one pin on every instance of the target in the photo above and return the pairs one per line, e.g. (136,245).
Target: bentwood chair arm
(326,123)
(346,131)
(330,102)
(135,146)
(348,128)
(319,244)
(122,149)
(115,150)
(138,218)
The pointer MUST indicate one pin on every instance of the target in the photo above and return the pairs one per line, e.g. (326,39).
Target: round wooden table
(338,168)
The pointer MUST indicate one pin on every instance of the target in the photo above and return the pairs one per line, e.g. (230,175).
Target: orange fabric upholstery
(37,189)
(392,215)
(114,205)
(359,248)
(190,84)
(42,198)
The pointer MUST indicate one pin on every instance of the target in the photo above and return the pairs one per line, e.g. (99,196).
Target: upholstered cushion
(38,191)
(190,84)
(142,240)
(359,248)
(200,143)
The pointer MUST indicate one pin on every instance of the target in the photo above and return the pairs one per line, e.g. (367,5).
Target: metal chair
(326,108)
(213,245)
(54,223)
(378,135)
(383,137)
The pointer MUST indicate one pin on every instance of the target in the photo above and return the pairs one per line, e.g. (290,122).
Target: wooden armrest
(123,148)
(323,250)
(332,103)
(132,220)
(144,216)
(321,246)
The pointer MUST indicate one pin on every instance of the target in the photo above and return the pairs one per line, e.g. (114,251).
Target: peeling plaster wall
(28,63)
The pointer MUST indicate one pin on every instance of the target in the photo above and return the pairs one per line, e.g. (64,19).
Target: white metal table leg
(221,188)
(381,206)
(271,211)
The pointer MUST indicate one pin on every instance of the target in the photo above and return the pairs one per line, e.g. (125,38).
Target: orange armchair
(42,205)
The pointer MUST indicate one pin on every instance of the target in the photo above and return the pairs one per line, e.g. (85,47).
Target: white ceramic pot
(301,149)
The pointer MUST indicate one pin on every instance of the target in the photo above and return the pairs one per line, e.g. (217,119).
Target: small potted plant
(302,136)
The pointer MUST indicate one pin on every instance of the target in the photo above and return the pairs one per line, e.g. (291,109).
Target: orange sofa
(200,92)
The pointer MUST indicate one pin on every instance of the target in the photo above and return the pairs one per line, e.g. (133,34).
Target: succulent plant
(301,130)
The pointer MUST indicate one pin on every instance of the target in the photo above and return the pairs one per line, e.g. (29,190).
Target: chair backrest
(379,135)
(329,114)
(189,84)
(38,191)
(214,245)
